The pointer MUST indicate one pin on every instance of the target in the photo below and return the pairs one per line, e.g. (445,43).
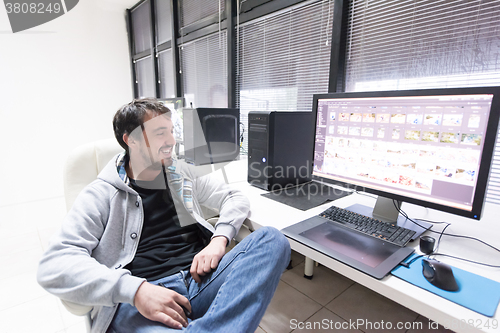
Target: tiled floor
(326,302)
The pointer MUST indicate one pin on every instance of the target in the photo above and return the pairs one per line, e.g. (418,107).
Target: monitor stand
(385,210)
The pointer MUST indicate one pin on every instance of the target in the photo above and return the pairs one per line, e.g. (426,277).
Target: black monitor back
(211,135)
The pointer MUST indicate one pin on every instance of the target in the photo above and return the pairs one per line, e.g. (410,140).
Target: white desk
(266,212)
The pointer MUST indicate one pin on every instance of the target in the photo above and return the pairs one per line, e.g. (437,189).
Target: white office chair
(82,167)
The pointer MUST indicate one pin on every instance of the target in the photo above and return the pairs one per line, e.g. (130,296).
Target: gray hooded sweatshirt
(100,234)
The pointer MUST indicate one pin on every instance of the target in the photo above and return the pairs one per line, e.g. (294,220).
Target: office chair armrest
(77,309)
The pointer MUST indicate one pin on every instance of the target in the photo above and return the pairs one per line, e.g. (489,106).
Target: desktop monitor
(211,135)
(427,147)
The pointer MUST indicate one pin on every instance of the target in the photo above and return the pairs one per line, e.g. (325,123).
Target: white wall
(60,84)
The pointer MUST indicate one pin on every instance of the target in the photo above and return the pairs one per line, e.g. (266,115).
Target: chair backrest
(84,164)
(82,167)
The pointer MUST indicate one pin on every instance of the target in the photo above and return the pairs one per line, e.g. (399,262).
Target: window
(152,56)
(145,77)
(280,52)
(163,21)
(164,49)
(143,64)
(193,11)
(166,65)
(395,45)
(141,26)
(284,58)
(204,71)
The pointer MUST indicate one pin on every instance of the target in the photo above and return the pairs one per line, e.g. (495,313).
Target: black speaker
(280,148)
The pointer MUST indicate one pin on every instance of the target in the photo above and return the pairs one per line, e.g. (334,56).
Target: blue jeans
(233,298)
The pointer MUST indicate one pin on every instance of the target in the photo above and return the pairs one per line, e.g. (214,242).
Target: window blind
(204,70)
(141,27)
(166,73)
(196,10)
(145,77)
(163,21)
(284,58)
(416,44)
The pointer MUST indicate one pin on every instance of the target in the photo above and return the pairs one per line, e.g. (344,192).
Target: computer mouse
(439,274)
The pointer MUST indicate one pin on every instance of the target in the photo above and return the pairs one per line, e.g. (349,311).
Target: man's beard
(151,162)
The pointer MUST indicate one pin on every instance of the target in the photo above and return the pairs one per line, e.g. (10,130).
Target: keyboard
(389,232)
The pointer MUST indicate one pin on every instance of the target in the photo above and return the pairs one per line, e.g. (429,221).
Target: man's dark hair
(131,116)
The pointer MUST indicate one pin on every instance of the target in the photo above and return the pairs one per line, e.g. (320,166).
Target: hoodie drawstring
(125,220)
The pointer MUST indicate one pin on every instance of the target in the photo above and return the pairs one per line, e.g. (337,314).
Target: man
(135,248)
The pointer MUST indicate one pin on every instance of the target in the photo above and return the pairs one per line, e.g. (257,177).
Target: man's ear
(128,139)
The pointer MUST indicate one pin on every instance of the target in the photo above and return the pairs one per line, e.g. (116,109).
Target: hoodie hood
(111,175)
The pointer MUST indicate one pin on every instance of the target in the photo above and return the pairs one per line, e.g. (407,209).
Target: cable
(242,132)
(440,236)
(400,211)
(473,238)
(471,261)
(363,193)
(407,264)
(458,236)
(242,126)
(408,218)
(434,222)
(442,233)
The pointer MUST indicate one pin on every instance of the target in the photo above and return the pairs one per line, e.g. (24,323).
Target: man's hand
(208,258)
(162,304)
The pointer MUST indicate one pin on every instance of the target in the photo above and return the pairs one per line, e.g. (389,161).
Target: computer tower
(280,148)
(211,135)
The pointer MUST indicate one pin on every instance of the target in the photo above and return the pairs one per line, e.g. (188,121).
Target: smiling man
(136,248)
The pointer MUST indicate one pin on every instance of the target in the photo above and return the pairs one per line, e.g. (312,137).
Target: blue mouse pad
(476,292)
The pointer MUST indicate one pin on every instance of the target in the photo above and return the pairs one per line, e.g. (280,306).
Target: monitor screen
(428,147)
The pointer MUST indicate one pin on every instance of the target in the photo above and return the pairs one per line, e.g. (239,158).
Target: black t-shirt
(165,248)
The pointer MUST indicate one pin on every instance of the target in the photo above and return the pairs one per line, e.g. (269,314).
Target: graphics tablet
(362,252)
